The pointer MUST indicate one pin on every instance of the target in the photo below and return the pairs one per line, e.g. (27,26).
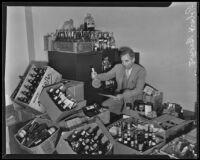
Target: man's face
(127,61)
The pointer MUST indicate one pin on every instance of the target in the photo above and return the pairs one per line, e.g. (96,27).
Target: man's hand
(118,97)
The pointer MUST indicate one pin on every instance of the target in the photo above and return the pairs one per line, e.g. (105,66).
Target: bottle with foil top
(89,23)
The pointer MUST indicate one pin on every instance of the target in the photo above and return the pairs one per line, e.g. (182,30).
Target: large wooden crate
(49,145)
(173,126)
(76,89)
(63,146)
(72,47)
(50,76)
(120,148)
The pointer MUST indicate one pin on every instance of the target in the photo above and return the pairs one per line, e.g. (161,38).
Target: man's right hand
(96,83)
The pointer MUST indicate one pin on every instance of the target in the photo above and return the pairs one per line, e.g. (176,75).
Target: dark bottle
(105,147)
(94,131)
(22,133)
(34,126)
(36,69)
(128,106)
(87,132)
(45,134)
(73,136)
(24,99)
(27,94)
(33,82)
(97,139)
(30,88)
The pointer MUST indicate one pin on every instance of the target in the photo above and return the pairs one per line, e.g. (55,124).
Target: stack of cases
(84,142)
(126,134)
(25,136)
(63,99)
(173,126)
(183,147)
(25,97)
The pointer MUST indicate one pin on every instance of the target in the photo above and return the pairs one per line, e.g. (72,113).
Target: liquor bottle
(105,147)
(22,133)
(77,147)
(30,88)
(24,99)
(89,23)
(27,94)
(73,136)
(97,139)
(128,106)
(34,126)
(45,134)
(153,140)
(35,69)
(93,73)
(94,131)
(119,135)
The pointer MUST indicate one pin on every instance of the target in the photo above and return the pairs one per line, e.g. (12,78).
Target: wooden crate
(120,148)
(50,76)
(77,91)
(71,47)
(170,148)
(64,148)
(173,126)
(49,145)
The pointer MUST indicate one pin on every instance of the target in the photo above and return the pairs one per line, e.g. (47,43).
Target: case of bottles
(136,136)
(63,99)
(173,126)
(26,95)
(38,136)
(183,147)
(97,110)
(91,138)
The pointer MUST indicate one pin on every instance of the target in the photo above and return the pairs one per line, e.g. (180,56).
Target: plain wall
(159,34)
(16,49)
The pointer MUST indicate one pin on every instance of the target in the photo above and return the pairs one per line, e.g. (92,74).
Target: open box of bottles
(91,139)
(63,99)
(36,76)
(97,110)
(38,136)
(136,136)
(173,126)
(183,147)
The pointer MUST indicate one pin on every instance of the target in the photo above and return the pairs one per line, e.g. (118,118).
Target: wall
(159,34)
(16,49)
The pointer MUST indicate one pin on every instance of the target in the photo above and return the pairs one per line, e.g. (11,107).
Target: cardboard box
(50,77)
(171,150)
(71,47)
(49,145)
(120,148)
(63,146)
(173,126)
(75,88)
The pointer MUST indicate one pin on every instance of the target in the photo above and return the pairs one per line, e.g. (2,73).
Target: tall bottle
(89,23)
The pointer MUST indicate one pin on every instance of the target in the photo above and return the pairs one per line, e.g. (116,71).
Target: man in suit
(130,79)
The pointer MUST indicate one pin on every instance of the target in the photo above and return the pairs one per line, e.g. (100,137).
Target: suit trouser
(115,106)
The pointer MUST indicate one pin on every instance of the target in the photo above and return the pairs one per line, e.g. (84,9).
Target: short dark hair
(126,50)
